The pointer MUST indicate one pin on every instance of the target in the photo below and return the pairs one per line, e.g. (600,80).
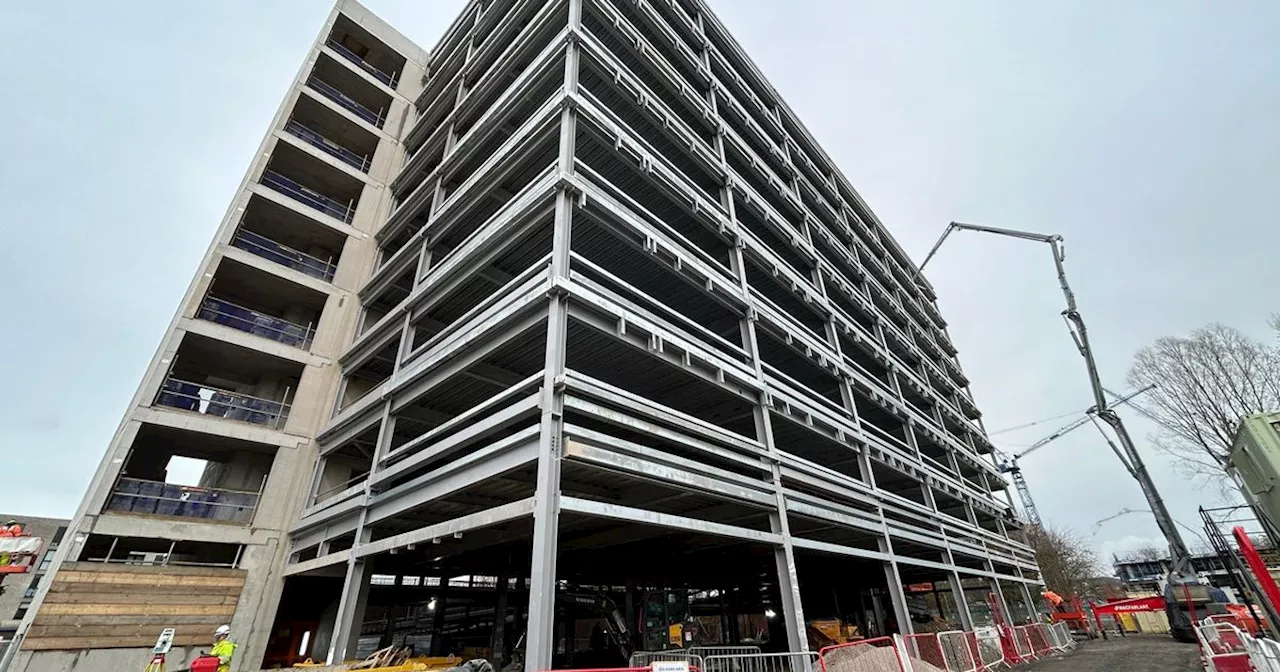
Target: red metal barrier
(869,655)
(1039,638)
(927,648)
(692,668)
(971,638)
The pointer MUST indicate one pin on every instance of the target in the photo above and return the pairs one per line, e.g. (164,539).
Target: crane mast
(1015,471)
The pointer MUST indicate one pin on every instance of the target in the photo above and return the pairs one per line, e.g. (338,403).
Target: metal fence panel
(705,651)
(1021,644)
(926,648)
(1039,637)
(1061,635)
(956,652)
(1224,648)
(1264,654)
(644,659)
(990,650)
(870,655)
(762,662)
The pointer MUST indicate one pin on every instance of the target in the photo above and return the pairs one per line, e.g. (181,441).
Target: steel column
(546,515)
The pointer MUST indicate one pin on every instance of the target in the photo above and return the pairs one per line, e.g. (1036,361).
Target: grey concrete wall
(289,474)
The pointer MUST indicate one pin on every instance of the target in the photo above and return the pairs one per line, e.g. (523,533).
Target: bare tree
(1205,382)
(1148,553)
(1067,563)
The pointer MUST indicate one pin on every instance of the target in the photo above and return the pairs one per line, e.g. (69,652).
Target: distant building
(17,590)
(1141,572)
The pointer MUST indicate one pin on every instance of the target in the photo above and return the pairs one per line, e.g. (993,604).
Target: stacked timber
(104,606)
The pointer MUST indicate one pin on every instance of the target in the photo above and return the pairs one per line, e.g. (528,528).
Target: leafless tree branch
(1067,563)
(1205,382)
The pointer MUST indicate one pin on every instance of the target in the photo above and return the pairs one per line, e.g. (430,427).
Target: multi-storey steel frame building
(573,300)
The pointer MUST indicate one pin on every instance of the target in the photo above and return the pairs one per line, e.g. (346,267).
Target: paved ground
(1135,653)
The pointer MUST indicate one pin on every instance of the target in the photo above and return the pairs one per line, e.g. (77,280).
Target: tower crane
(1010,465)
(1187,598)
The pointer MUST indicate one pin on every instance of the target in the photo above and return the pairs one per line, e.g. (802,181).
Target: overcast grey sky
(1147,133)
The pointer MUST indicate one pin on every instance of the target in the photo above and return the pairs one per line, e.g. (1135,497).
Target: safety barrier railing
(328,146)
(956,652)
(761,662)
(1021,644)
(226,313)
(262,246)
(985,648)
(389,80)
(643,659)
(869,655)
(705,651)
(1038,636)
(990,649)
(332,93)
(1060,636)
(1223,648)
(925,647)
(632,668)
(310,197)
(136,495)
(206,400)
(1264,654)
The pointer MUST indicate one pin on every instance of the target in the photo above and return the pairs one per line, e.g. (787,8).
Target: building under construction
(560,339)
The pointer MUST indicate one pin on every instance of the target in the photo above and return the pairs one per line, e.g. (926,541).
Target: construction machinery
(1187,598)
(664,620)
(1009,464)
(19,552)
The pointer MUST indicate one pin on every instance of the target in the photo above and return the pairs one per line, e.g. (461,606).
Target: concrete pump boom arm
(1075,324)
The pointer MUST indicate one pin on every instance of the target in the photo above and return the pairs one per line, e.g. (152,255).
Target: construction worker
(11,529)
(223,647)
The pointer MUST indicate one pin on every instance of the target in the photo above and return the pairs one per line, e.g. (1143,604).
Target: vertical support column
(894,580)
(498,643)
(355,595)
(355,587)
(1003,603)
(546,515)
(784,554)
(438,616)
(1032,611)
(962,603)
(898,597)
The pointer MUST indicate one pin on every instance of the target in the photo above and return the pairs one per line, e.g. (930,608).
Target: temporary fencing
(1060,636)
(1226,648)
(925,648)
(643,659)
(1021,644)
(1039,636)
(762,662)
(869,655)
(708,651)
(956,652)
(983,649)
(990,649)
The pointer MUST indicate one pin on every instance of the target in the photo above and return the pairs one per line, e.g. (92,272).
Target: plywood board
(151,569)
(57,597)
(62,643)
(136,609)
(120,630)
(189,623)
(134,588)
(155,579)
